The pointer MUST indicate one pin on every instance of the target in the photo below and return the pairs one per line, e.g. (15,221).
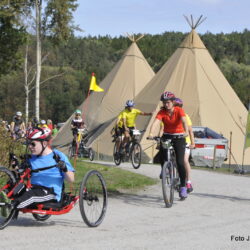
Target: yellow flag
(247,144)
(93,85)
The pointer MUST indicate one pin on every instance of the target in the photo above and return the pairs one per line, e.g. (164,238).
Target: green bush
(8,145)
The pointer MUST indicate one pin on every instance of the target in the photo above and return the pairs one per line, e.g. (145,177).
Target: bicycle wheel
(41,217)
(136,155)
(7,182)
(116,155)
(91,154)
(168,183)
(93,198)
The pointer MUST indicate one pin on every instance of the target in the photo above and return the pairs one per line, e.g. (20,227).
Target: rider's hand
(62,166)
(192,146)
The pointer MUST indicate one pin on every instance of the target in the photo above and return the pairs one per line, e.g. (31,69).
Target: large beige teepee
(192,75)
(127,78)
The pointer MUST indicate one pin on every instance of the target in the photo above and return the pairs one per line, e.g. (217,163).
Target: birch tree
(55,22)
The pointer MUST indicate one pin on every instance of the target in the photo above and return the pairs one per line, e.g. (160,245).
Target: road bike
(169,174)
(132,150)
(79,147)
(92,195)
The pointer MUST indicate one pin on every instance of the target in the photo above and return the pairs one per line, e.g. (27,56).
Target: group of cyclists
(47,185)
(18,129)
(175,124)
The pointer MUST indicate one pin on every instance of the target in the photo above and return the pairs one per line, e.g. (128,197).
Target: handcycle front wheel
(136,155)
(168,183)
(7,182)
(41,217)
(93,198)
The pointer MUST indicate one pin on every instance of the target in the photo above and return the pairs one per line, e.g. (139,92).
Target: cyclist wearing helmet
(77,123)
(17,126)
(43,124)
(189,145)
(129,116)
(175,128)
(47,184)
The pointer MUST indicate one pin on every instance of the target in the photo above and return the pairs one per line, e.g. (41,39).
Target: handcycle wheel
(116,155)
(93,198)
(7,182)
(136,155)
(91,154)
(41,217)
(168,183)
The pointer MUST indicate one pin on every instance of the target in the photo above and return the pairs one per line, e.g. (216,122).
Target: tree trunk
(38,57)
(26,85)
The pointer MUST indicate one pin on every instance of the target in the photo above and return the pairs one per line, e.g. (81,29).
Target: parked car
(211,148)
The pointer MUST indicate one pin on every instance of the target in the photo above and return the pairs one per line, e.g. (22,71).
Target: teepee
(192,75)
(125,81)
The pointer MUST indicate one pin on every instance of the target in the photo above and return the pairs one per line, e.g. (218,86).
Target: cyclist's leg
(34,195)
(188,170)
(187,165)
(179,147)
(163,157)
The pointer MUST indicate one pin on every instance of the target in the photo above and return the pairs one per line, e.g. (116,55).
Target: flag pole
(85,109)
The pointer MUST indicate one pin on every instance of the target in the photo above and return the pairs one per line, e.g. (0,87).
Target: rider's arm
(144,113)
(70,176)
(185,126)
(12,127)
(191,135)
(22,127)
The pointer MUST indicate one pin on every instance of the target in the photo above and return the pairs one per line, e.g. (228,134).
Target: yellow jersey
(130,116)
(120,121)
(189,123)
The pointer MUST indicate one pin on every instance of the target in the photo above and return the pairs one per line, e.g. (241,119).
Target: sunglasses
(32,144)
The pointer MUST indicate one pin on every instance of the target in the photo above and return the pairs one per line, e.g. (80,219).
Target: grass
(117,180)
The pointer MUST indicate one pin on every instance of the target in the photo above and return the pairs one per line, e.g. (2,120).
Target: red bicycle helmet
(167,96)
(39,134)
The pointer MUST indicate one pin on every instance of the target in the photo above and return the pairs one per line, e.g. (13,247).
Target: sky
(118,17)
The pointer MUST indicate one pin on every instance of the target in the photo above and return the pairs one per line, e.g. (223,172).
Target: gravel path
(215,216)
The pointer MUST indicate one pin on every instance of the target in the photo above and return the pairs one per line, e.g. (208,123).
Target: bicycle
(79,147)
(133,150)
(169,174)
(92,196)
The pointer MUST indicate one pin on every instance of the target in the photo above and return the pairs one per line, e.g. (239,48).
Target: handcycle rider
(128,116)
(176,129)
(47,185)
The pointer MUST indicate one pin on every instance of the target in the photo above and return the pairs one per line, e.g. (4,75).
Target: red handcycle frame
(88,196)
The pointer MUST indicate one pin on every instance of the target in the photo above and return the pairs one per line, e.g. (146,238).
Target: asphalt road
(215,216)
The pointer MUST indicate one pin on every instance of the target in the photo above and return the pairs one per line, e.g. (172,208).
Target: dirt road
(215,216)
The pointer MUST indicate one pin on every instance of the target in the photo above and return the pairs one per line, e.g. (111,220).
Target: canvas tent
(127,78)
(192,75)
